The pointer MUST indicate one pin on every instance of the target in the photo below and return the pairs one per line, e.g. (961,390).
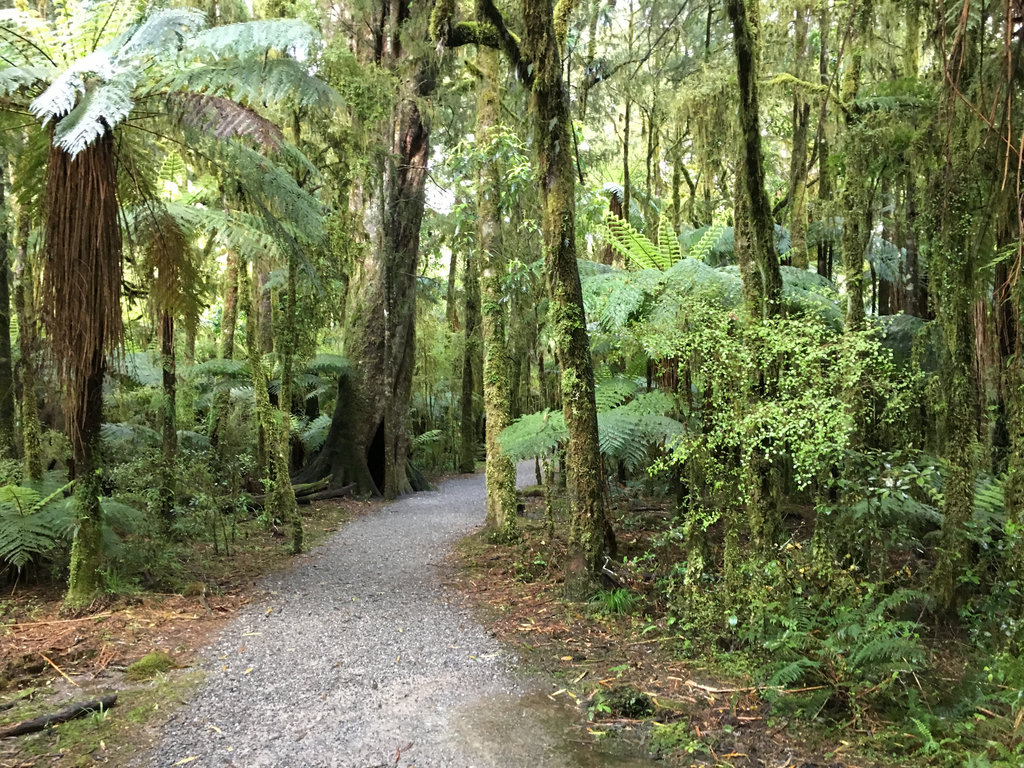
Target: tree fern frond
(315,434)
(668,241)
(14,79)
(255,38)
(633,245)
(167,28)
(328,365)
(263,81)
(223,118)
(534,434)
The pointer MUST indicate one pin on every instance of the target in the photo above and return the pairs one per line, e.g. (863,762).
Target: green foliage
(629,424)
(615,601)
(859,651)
(31,524)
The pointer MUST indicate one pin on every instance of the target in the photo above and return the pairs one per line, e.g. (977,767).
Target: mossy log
(68,713)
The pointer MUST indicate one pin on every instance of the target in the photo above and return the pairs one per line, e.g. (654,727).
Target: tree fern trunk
(82,286)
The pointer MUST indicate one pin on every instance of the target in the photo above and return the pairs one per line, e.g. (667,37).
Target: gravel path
(359,651)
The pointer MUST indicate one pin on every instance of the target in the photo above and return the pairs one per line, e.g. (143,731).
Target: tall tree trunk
(280,496)
(751,169)
(825,248)
(24,305)
(470,366)
(798,158)
(856,202)
(229,319)
(83,320)
(169,432)
(8,449)
(590,533)
(373,404)
(501,471)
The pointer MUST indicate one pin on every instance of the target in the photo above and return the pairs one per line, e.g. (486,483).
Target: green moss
(150,665)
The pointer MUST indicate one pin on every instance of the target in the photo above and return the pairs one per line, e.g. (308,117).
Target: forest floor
(378,649)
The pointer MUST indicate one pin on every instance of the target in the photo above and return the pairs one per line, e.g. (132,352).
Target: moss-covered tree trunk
(228,322)
(280,496)
(798,159)
(24,306)
(471,352)
(368,442)
(751,168)
(590,533)
(764,292)
(8,448)
(501,471)
(855,199)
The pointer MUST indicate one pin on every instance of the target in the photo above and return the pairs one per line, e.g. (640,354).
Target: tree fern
(30,524)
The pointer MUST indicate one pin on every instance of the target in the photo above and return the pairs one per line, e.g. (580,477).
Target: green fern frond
(254,39)
(326,364)
(534,434)
(792,672)
(314,435)
(634,246)
(220,367)
(668,241)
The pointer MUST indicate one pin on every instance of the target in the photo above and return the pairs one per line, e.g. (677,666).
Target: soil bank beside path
(360,657)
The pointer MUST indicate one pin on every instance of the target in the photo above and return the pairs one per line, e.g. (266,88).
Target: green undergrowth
(855,663)
(112,736)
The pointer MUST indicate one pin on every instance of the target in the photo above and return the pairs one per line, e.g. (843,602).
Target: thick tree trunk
(590,534)
(501,472)
(373,403)
(83,319)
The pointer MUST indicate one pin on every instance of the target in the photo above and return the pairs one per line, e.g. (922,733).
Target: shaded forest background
(760,264)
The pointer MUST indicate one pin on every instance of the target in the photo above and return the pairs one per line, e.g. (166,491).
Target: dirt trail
(361,657)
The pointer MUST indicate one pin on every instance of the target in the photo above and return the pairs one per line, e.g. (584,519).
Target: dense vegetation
(760,264)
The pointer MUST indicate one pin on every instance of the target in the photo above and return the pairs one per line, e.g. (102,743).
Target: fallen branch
(330,493)
(59,670)
(68,713)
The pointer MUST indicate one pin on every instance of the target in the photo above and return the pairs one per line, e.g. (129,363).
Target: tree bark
(27,335)
(8,449)
(501,518)
(169,433)
(470,365)
(590,534)
(373,402)
(762,226)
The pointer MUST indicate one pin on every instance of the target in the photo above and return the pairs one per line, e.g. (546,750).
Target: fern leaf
(224,119)
(314,435)
(634,246)
(668,241)
(255,38)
